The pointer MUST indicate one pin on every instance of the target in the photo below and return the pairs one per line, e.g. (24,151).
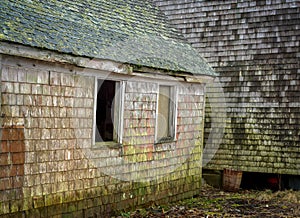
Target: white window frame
(119,112)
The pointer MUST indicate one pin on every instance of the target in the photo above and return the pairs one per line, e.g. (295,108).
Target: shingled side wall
(48,167)
(254,45)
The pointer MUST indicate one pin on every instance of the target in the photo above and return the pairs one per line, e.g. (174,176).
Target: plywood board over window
(166,114)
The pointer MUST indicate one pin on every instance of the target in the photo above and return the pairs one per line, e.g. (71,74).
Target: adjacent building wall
(49,165)
(254,45)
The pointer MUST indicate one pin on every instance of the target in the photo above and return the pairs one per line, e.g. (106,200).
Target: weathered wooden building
(102,108)
(254,45)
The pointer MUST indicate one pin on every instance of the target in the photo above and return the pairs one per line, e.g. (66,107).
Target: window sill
(109,144)
(165,140)
(166,145)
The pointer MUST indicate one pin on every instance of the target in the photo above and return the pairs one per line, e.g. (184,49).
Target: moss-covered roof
(127,31)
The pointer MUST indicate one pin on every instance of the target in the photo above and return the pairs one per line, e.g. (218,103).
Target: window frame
(118,129)
(172,119)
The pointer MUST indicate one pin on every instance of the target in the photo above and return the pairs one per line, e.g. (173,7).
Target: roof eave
(15,49)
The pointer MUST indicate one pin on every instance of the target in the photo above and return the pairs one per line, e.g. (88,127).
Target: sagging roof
(127,31)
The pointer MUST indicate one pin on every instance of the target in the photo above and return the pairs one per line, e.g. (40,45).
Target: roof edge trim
(53,56)
(156,73)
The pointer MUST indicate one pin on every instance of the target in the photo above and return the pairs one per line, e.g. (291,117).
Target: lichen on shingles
(130,31)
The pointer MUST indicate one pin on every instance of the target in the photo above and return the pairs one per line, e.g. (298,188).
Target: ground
(214,202)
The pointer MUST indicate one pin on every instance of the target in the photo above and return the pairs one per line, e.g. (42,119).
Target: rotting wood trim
(199,79)
(178,76)
(52,56)
(158,76)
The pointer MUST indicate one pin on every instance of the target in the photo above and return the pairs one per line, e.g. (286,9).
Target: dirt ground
(216,203)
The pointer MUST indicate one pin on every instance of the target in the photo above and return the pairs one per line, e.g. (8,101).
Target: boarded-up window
(166,112)
(107,111)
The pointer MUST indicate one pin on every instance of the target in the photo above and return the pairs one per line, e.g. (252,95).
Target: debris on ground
(212,202)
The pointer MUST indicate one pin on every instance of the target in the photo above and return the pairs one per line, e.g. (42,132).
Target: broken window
(166,114)
(108,111)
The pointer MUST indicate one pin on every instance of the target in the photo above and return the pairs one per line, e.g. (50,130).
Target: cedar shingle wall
(49,164)
(254,45)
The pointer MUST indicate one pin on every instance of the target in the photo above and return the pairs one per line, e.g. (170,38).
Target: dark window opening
(105,113)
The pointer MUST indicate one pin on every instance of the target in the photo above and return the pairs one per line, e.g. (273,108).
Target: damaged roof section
(127,31)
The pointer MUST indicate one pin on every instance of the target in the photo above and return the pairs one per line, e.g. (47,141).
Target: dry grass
(217,203)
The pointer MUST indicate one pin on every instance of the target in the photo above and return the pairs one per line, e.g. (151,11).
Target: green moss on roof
(129,31)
